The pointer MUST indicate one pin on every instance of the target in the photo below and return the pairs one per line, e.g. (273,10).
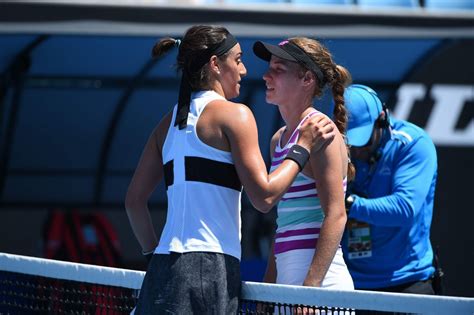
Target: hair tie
(177,42)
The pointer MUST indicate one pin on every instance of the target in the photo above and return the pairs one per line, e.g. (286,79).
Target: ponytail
(342,78)
(163,46)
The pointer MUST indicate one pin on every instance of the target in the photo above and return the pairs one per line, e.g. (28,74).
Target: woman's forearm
(328,243)
(142,226)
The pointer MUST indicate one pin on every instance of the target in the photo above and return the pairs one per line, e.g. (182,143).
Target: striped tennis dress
(299,221)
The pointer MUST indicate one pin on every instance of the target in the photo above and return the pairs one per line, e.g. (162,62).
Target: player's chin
(269,100)
(235,92)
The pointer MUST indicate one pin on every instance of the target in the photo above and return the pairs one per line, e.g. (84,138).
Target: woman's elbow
(338,217)
(343,218)
(129,202)
(263,205)
(406,208)
(133,200)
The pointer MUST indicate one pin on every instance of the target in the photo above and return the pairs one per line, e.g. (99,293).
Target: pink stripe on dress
(294,136)
(278,154)
(310,186)
(298,244)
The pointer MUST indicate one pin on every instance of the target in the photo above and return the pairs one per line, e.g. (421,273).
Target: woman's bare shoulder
(161,129)
(231,112)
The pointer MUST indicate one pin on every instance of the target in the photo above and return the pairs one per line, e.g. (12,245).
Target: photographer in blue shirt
(390,202)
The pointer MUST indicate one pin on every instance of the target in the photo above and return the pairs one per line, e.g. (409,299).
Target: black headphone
(384,120)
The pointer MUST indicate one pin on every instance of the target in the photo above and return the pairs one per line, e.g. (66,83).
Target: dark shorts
(190,283)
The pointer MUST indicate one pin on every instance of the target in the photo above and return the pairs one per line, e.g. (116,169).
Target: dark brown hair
(196,39)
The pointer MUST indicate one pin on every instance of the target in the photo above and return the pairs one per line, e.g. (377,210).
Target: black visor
(288,51)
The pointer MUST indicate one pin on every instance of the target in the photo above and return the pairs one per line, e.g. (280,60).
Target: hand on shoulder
(316,132)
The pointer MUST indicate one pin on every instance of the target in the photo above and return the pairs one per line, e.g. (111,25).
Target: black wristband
(298,154)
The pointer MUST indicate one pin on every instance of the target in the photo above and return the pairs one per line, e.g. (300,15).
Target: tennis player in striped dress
(311,214)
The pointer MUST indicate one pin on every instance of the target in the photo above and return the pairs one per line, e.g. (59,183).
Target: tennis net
(31,285)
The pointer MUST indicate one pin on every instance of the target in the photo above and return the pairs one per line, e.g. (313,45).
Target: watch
(349,201)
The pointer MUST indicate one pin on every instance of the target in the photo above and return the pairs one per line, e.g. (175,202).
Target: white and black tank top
(203,190)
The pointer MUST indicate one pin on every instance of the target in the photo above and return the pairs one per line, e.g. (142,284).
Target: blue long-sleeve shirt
(400,189)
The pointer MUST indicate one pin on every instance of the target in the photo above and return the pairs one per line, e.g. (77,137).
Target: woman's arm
(263,189)
(148,174)
(328,171)
(270,271)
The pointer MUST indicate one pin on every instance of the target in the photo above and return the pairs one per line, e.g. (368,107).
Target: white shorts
(293,266)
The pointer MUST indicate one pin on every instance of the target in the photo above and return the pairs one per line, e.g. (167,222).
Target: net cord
(282,294)
(367,300)
(72,271)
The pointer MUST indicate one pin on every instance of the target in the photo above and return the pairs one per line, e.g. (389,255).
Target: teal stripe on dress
(297,217)
(300,178)
(299,202)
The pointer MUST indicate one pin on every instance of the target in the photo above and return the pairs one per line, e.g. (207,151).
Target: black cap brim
(265,51)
